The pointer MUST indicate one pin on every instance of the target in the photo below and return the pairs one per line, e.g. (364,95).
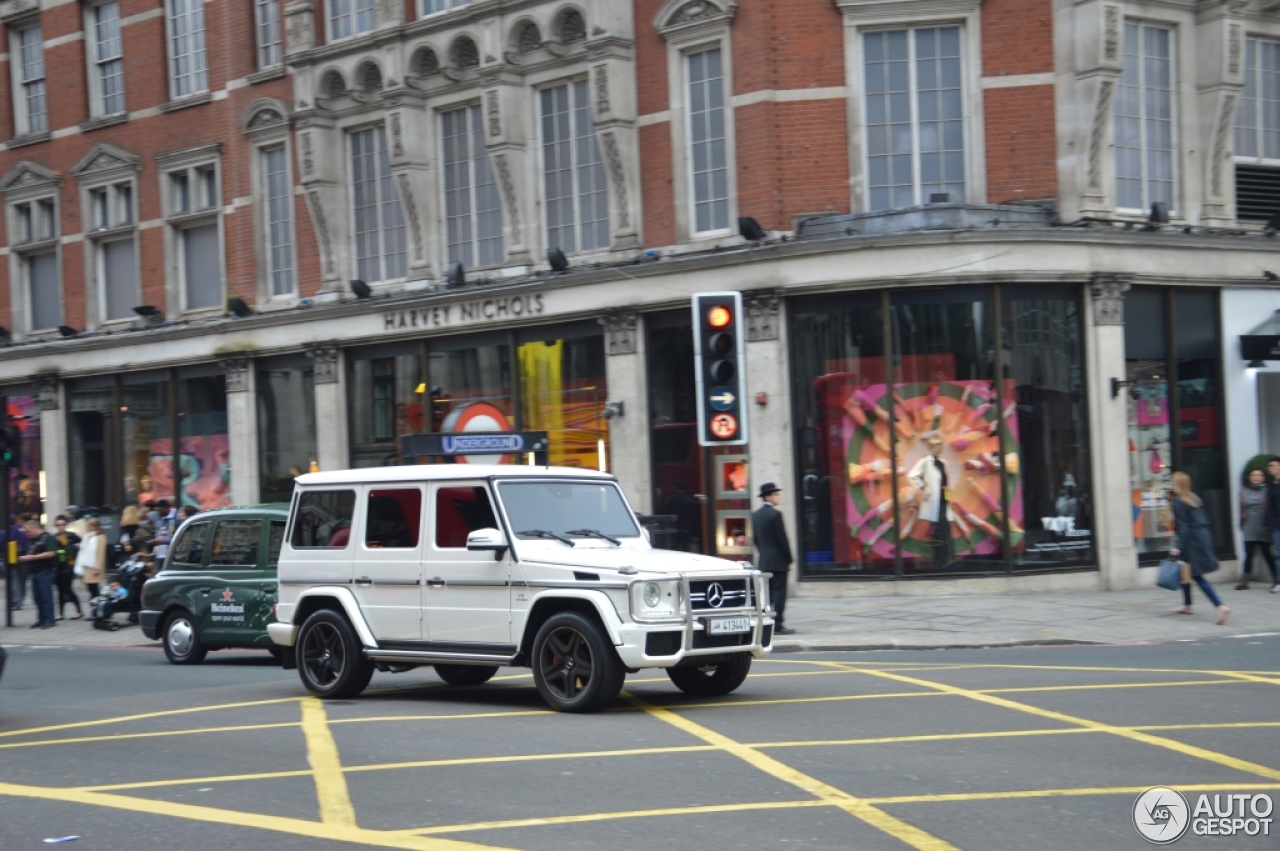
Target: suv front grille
(713,594)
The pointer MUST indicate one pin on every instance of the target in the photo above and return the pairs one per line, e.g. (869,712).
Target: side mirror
(488,540)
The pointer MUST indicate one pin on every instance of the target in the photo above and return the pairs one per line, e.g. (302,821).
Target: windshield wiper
(543,533)
(595,533)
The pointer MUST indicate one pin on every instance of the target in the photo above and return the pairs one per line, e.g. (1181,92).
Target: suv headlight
(655,599)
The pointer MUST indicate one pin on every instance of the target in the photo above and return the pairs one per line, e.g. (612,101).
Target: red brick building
(949,191)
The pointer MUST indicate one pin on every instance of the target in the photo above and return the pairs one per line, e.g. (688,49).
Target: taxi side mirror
(488,540)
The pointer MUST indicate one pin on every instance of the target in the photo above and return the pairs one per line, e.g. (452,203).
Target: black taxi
(218,586)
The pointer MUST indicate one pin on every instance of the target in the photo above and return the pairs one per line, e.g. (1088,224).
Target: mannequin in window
(929,478)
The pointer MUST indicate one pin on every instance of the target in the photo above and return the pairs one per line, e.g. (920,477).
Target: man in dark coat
(774,548)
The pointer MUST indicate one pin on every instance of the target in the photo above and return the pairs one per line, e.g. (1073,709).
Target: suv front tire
(712,680)
(331,660)
(574,666)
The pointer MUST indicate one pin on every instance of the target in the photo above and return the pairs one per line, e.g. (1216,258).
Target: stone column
(409,148)
(625,376)
(1094,58)
(1109,432)
(614,114)
(320,150)
(242,430)
(331,407)
(507,106)
(768,409)
(55,452)
(1220,56)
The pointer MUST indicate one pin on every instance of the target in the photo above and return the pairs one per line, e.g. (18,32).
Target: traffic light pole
(9,567)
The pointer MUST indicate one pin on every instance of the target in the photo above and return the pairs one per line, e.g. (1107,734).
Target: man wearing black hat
(774,548)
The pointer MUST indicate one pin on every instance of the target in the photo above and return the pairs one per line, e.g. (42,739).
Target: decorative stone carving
(265,118)
(28,174)
(237,370)
(1108,298)
(508,186)
(1098,132)
(1234,47)
(324,357)
(620,331)
(529,39)
(1220,155)
(411,212)
(493,112)
(1111,35)
(322,229)
(47,398)
(13,10)
(300,29)
(308,158)
(602,90)
(397,143)
(613,159)
(104,157)
(762,308)
(572,27)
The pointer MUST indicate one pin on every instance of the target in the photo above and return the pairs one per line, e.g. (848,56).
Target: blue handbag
(1170,575)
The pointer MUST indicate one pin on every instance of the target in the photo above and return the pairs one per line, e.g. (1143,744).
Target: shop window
(1173,360)
(323,519)
(203,475)
(393,518)
(26,475)
(471,389)
(286,399)
(1145,119)
(235,544)
(679,487)
(562,392)
(386,400)
(146,439)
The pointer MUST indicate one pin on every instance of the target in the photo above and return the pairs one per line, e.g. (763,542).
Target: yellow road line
(1123,732)
(193,781)
(156,734)
(322,753)
(926,737)
(1062,793)
(145,715)
(441,717)
(260,821)
(1101,686)
(590,817)
(895,827)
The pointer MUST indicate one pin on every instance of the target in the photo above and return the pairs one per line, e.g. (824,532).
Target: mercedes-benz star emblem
(715,595)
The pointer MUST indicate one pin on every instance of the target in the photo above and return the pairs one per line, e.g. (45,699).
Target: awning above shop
(1263,342)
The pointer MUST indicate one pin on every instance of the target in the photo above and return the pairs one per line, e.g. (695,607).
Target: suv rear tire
(465,675)
(181,637)
(712,680)
(331,661)
(574,665)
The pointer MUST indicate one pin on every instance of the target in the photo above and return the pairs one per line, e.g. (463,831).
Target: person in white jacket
(929,478)
(91,561)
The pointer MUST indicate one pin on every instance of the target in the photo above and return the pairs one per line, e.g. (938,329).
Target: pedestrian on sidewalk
(18,569)
(91,562)
(775,550)
(68,550)
(1194,541)
(42,552)
(1254,528)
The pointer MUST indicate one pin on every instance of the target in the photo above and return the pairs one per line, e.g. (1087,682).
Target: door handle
(435,582)
(268,589)
(364,580)
(205,590)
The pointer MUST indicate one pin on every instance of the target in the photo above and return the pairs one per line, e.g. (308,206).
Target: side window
(460,511)
(188,551)
(394,518)
(323,519)
(277,539)
(235,544)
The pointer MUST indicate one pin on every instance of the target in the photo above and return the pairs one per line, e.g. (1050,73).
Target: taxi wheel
(465,675)
(574,666)
(182,642)
(712,680)
(331,661)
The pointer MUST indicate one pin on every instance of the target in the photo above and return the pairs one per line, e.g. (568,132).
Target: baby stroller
(131,576)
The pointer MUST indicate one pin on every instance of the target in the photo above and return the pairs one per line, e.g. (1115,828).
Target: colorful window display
(562,392)
(26,478)
(286,396)
(1173,365)
(912,454)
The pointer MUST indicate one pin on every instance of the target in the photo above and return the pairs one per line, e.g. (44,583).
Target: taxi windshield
(566,509)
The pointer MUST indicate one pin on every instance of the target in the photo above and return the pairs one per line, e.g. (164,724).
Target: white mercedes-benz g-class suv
(468,568)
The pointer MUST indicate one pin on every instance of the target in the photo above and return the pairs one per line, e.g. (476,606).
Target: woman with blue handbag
(1194,542)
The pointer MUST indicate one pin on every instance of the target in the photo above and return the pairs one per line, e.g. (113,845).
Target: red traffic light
(719,316)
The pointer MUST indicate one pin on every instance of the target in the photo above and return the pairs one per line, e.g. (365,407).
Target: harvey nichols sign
(464,313)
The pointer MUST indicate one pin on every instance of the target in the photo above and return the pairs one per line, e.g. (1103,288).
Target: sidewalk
(876,623)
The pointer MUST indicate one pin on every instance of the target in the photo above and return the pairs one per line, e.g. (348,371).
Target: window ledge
(194,217)
(184,102)
(204,313)
(34,246)
(104,121)
(273,73)
(28,139)
(110,232)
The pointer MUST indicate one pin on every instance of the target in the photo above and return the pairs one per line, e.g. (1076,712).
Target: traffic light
(10,445)
(720,364)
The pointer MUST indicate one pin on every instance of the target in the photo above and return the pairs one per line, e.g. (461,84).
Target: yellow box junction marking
(322,753)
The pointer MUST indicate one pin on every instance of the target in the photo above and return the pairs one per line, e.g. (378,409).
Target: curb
(794,646)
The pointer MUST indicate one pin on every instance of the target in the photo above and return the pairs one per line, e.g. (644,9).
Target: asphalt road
(1032,749)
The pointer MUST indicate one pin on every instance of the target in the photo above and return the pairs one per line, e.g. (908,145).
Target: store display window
(286,397)
(387,399)
(562,392)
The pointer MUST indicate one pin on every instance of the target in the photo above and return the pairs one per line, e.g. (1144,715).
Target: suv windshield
(566,509)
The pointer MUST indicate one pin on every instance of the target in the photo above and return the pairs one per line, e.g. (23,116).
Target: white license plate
(728,626)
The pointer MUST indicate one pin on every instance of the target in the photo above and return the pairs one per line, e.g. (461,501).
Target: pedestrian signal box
(720,365)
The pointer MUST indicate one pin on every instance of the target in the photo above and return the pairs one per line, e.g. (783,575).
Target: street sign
(720,367)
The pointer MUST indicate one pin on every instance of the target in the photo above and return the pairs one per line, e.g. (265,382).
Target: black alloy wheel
(574,666)
(181,638)
(712,680)
(465,675)
(331,661)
